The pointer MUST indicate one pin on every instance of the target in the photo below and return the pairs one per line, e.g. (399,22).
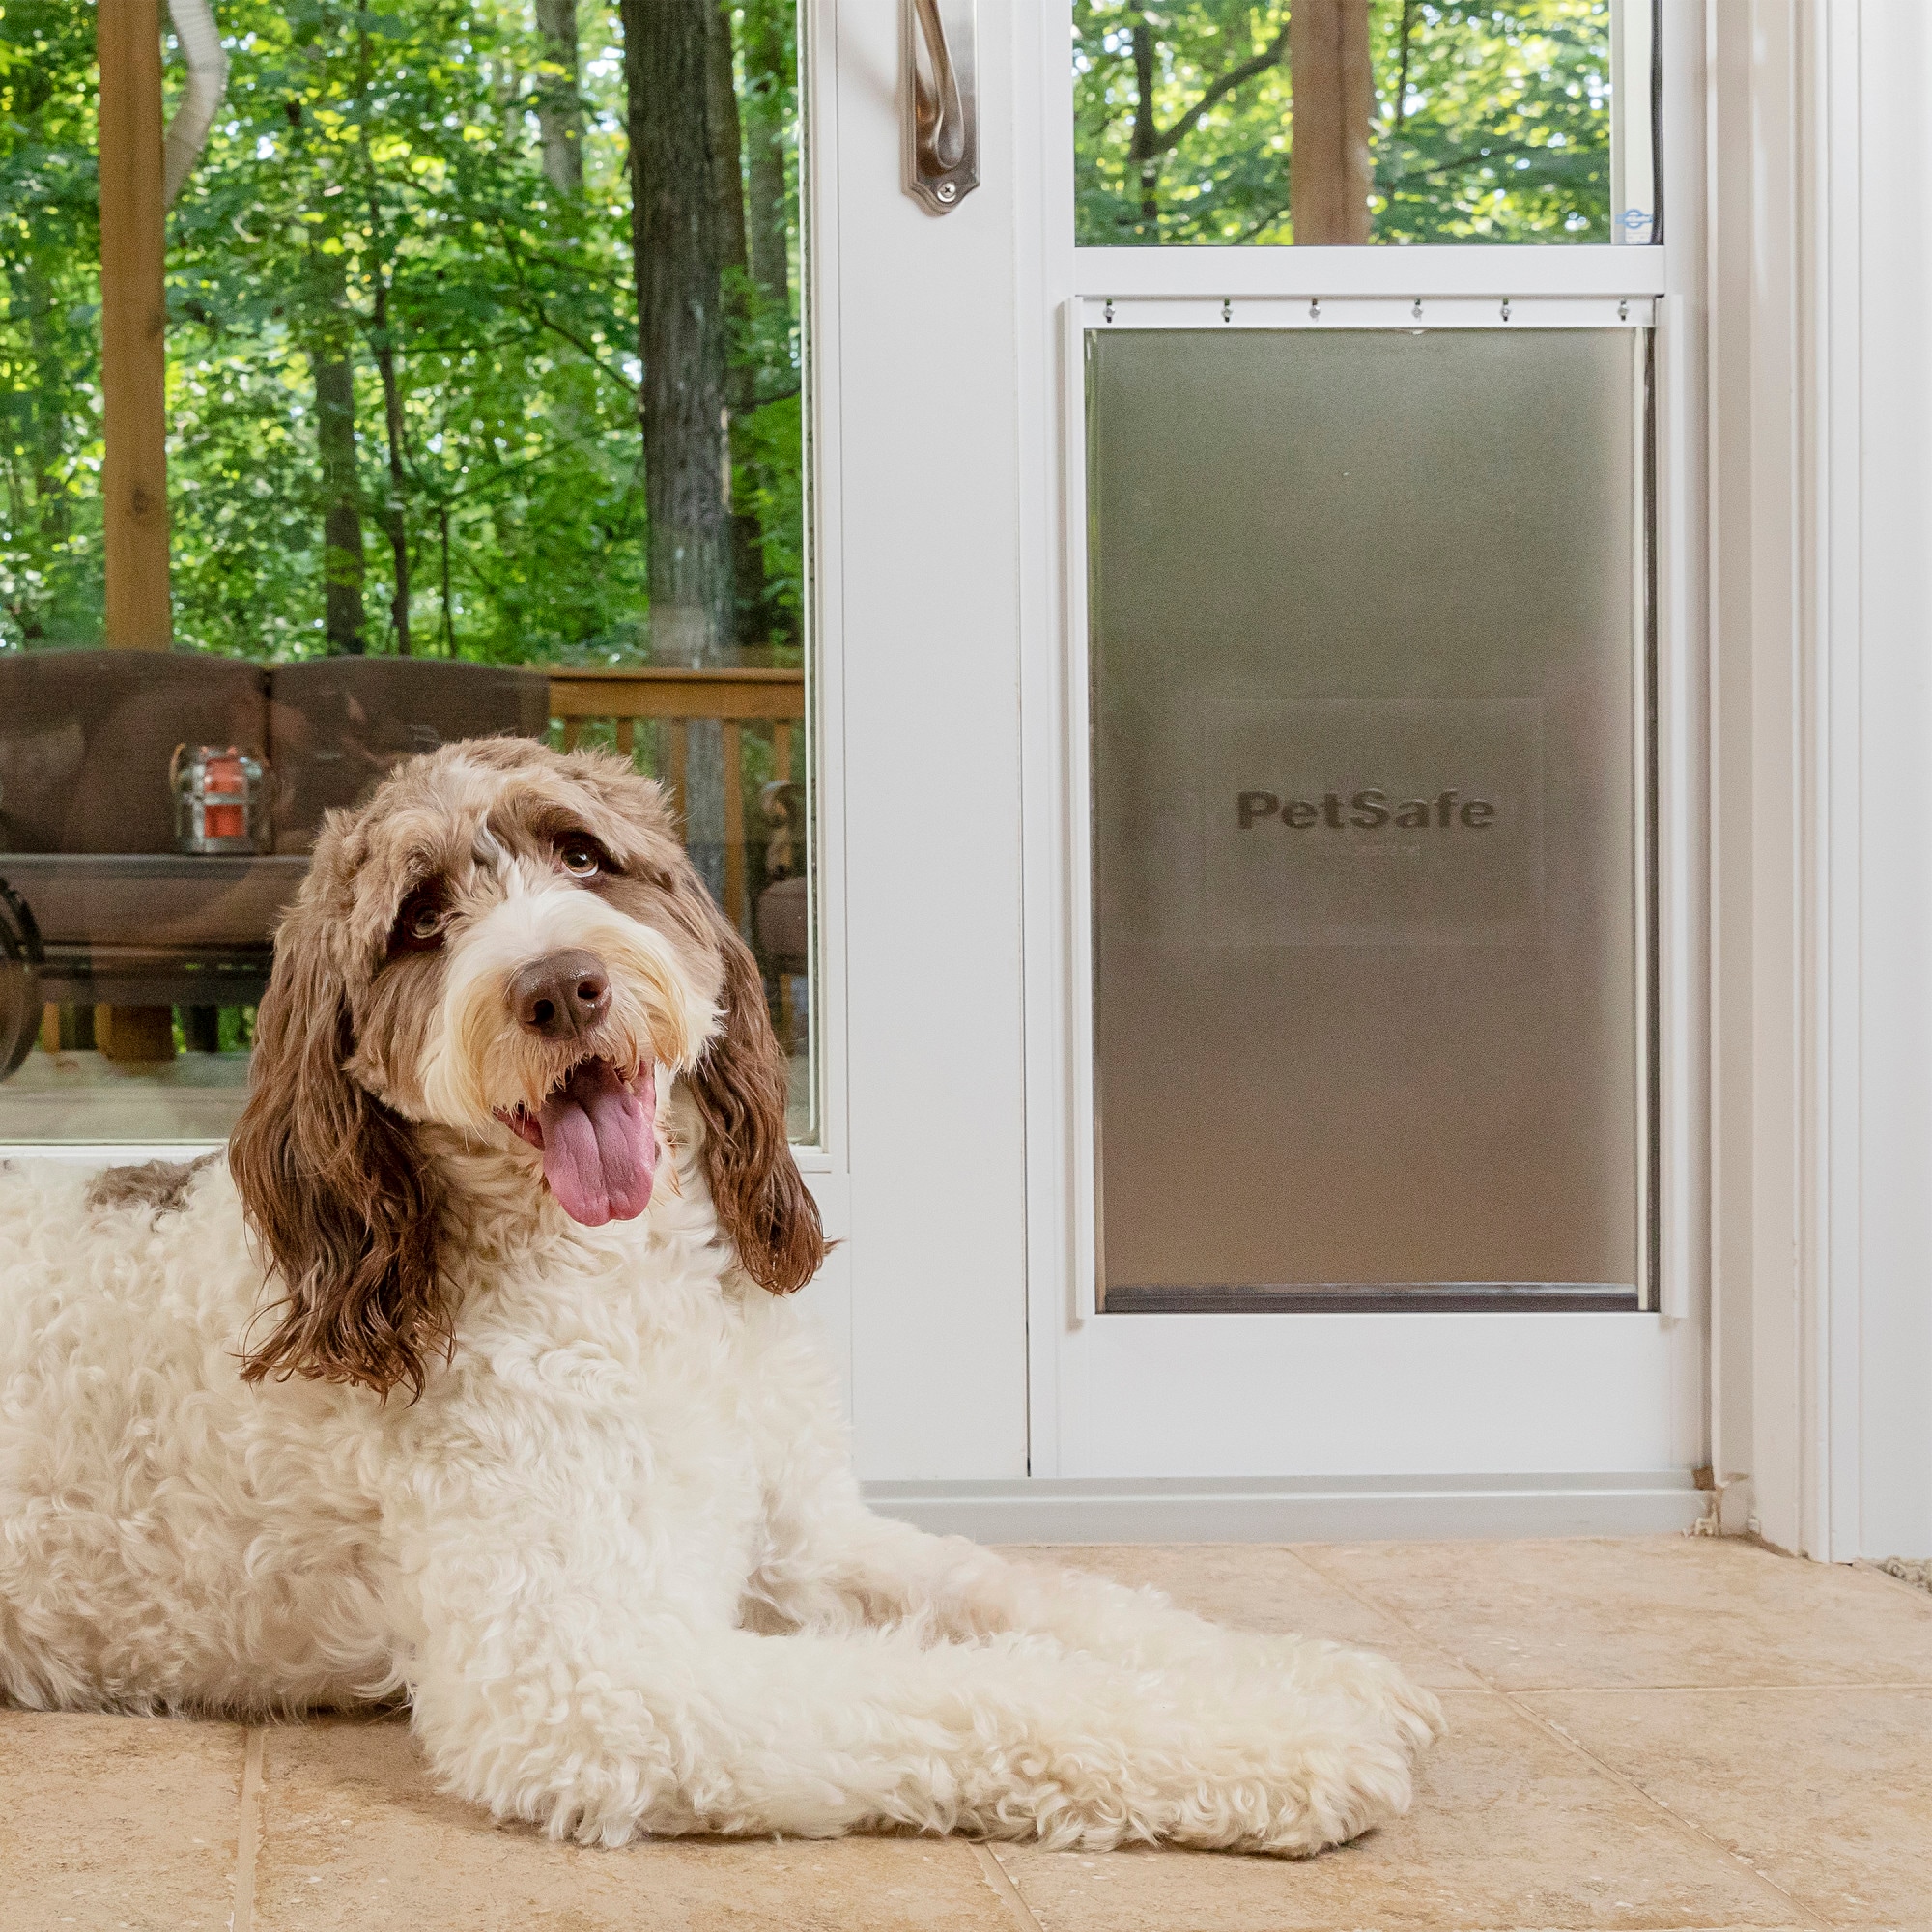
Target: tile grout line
(1000,1879)
(1707,1689)
(1685,1825)
(247,1834)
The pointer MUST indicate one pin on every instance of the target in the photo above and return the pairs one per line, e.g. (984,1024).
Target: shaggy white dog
(467,1376)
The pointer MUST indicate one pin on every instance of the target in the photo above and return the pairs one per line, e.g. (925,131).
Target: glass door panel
(1368,659)
(1223,123)
(459,431)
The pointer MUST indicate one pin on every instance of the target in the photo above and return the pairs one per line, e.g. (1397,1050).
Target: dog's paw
(1234,1762)
(1347,1781)
(1382,1688)
(1313,1771)
(1374,1685)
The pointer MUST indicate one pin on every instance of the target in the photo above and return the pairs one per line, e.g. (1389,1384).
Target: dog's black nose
(562,995)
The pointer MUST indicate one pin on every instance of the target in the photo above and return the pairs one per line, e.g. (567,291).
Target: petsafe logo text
(1366,810)
(1384,822)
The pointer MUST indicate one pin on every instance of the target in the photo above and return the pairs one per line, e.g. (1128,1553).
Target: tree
(559,110)
(769,94)
(679,256)
(367,187)
(680,252)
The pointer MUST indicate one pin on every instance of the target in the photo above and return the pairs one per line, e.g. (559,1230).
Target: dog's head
(510,944)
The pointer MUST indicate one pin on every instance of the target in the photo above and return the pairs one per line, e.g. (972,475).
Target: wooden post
(1333,90)
(734,822)
(676,740)
(134,462)
(134,372)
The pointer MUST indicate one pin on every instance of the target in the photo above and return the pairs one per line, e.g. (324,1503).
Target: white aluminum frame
(1122,1396)
(1412,314)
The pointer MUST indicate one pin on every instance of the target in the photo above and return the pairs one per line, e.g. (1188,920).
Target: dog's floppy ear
(739,1086)
(334,1186)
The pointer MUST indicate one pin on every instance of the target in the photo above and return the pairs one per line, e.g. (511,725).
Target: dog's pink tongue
(599,1149)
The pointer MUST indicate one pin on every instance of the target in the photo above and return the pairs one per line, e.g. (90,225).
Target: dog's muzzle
(596,1129)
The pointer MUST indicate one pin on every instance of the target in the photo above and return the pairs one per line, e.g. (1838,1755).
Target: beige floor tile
(1258,1587)
(1511,1829)
(1651,1612)
(354,1836)
(1828,1793)
(113,1822)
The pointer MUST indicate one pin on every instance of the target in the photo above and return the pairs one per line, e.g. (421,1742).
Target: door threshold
(1306,1509)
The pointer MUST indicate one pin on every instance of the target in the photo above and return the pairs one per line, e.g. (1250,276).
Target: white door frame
(1822,725)
(1591,1396)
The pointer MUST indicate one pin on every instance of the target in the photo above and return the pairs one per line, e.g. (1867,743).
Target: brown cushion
(86,737)
(337,724)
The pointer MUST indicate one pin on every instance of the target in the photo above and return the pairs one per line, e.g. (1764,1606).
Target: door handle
(941,128)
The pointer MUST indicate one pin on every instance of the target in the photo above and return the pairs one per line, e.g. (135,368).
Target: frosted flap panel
(1365,659)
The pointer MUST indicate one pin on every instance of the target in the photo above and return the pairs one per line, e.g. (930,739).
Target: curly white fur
(564,1550)
(614,1555)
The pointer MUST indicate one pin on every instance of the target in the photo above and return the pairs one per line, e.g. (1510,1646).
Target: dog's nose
(562,995)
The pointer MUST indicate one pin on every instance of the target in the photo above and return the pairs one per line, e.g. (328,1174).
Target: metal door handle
(941,124)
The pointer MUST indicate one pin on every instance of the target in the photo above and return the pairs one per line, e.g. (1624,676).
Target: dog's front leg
(666,1728)
(571,1670)
(840,1560)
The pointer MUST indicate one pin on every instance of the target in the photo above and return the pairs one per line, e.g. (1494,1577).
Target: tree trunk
(559,105)
(342,566)
(1143,149)
(683,334)
(770,76)
(51,503)
(725,140)
(1407,40)
(1328,171)
(396,522)
(448,607)
(683,341)
(749,618)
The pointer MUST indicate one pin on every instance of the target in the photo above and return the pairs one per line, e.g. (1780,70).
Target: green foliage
(50,568)
(372,190)
(1491,120)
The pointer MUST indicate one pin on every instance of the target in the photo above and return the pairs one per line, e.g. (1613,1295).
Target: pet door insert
(1369,670)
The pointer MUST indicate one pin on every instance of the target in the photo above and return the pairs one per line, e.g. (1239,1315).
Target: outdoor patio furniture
(87,838)
(123,921)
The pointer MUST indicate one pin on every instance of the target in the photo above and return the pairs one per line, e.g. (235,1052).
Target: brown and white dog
(521,1426)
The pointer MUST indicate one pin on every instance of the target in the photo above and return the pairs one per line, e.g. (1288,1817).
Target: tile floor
(1660,1733)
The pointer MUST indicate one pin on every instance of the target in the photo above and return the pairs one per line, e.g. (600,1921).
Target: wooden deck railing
(671,697)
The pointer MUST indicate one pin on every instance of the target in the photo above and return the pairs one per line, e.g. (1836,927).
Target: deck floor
(1645,1734)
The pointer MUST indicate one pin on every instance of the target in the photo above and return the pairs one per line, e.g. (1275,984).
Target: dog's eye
(581,860)
(420,922)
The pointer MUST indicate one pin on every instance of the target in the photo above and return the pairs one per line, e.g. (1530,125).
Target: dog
(471,1377)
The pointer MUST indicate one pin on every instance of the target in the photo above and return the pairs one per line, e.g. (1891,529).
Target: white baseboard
(1296,1509)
